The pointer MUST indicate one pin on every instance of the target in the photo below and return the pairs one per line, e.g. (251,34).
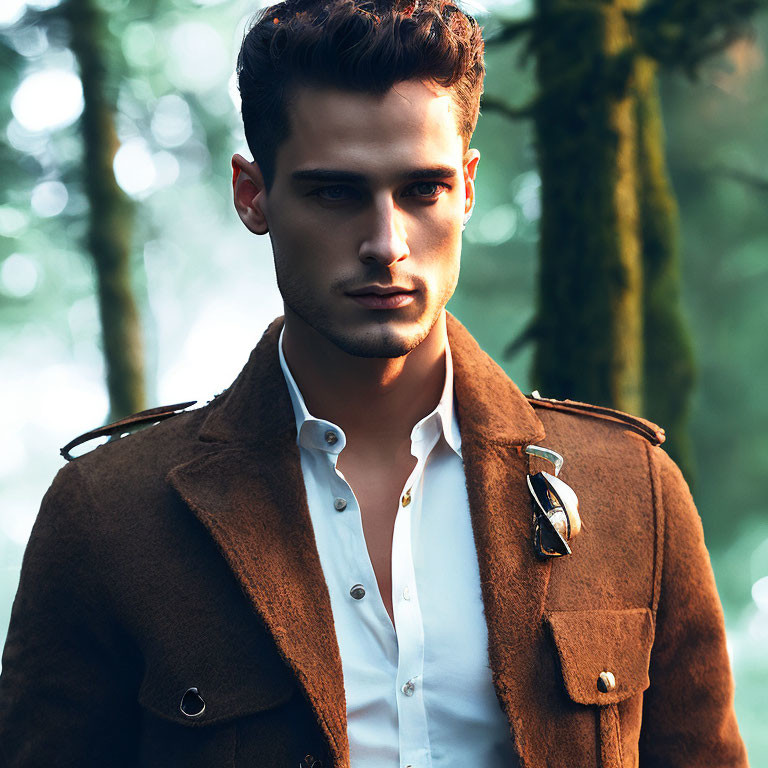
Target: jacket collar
(247,490)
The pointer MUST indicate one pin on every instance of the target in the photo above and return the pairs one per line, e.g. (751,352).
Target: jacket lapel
(248,491)
(496,423)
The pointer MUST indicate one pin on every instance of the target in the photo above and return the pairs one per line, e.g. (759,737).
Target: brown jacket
(183,556)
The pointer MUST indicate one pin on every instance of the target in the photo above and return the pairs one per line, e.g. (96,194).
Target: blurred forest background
(618,252)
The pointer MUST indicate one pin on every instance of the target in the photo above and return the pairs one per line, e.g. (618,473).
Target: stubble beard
(382,341)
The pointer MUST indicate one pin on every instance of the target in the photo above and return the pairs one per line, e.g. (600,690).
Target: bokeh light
(49,198)
(47,100)
(760,593)
(11,11)
(12,221)
(19,275)
(134,167)
(496,226)
(198,59)
(30,41)
(527,194)
(171,121)
(139,44)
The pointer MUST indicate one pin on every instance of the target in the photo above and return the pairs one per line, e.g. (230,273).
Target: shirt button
(340,504)
(406,594)
(408,688)
(357,591)
(406,500)
(331,437)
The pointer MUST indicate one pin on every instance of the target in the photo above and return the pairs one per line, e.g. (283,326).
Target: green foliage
(685,33)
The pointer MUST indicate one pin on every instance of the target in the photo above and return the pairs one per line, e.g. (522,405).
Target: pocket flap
(591,642)
(227,690)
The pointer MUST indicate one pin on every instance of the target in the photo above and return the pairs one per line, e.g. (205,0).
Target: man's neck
(376,401)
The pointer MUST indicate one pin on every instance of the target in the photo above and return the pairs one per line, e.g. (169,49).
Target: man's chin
(380,342)
(377,338)
(385,335)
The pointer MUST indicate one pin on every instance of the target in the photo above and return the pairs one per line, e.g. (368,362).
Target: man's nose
(386,241)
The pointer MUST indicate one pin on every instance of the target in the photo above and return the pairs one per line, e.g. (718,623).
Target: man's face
(365,214)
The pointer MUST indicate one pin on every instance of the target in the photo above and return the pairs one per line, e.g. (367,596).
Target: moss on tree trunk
(110,217)
(668,364)
(590,303)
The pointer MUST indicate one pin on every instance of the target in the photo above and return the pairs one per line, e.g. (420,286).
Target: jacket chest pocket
(224,714)
(604,658)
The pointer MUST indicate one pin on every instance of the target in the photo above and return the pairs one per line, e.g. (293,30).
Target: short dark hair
(361,45)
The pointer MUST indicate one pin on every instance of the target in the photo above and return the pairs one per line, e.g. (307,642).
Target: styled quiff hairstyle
(358,45)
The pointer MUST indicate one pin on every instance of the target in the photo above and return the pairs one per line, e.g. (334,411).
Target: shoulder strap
(150,416)
(652,432)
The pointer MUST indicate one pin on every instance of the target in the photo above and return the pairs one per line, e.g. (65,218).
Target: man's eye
(426,189)
(335,192)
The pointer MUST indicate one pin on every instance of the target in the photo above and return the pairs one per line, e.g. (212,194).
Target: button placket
(412,722)
(345,559)
(362,577)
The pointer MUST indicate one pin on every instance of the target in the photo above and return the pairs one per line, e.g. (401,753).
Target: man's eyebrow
(445,172)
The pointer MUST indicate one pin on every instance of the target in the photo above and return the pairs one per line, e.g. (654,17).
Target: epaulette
(126,425)
(652,432)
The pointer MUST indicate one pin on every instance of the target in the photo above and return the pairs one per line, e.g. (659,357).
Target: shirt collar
(443,417)
(314,433)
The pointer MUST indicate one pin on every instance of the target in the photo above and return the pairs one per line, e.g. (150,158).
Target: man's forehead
(412,125)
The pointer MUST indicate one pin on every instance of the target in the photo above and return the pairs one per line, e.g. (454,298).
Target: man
(334,562)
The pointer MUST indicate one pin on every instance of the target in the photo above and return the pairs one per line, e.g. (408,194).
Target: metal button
(310,762)
(340,504)
(192,704)
(406,500)
(408,688)
(606,682)
(357,591)
(406,593)
(331,437)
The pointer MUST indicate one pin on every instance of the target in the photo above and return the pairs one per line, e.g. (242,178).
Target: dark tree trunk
(668,365)
(590,301)
(110,225)
(609,326)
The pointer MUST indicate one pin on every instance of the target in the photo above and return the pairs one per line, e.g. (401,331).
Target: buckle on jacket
(556,517)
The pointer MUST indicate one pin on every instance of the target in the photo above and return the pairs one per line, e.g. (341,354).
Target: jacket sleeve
(64,694)
(688,715)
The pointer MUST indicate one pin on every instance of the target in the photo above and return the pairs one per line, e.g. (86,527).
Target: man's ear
(250,195)
(471,159)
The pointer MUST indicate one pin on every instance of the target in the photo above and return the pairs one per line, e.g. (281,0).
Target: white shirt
(420,695)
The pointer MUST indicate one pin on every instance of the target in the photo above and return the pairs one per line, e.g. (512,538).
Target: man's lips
(383,297)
